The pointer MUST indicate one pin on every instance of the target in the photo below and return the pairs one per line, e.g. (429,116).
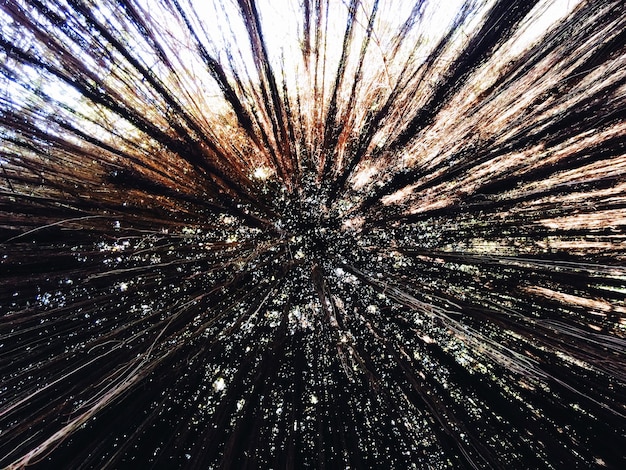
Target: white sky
(221,22)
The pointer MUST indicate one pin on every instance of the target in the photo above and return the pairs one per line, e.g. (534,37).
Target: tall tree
(294,234)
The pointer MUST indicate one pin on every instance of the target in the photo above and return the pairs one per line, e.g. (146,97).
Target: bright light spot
(262,173)
(364,177)
(219,384)
(123,286)
(314,399)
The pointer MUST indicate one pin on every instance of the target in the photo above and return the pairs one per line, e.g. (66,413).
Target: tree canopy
(295,234)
